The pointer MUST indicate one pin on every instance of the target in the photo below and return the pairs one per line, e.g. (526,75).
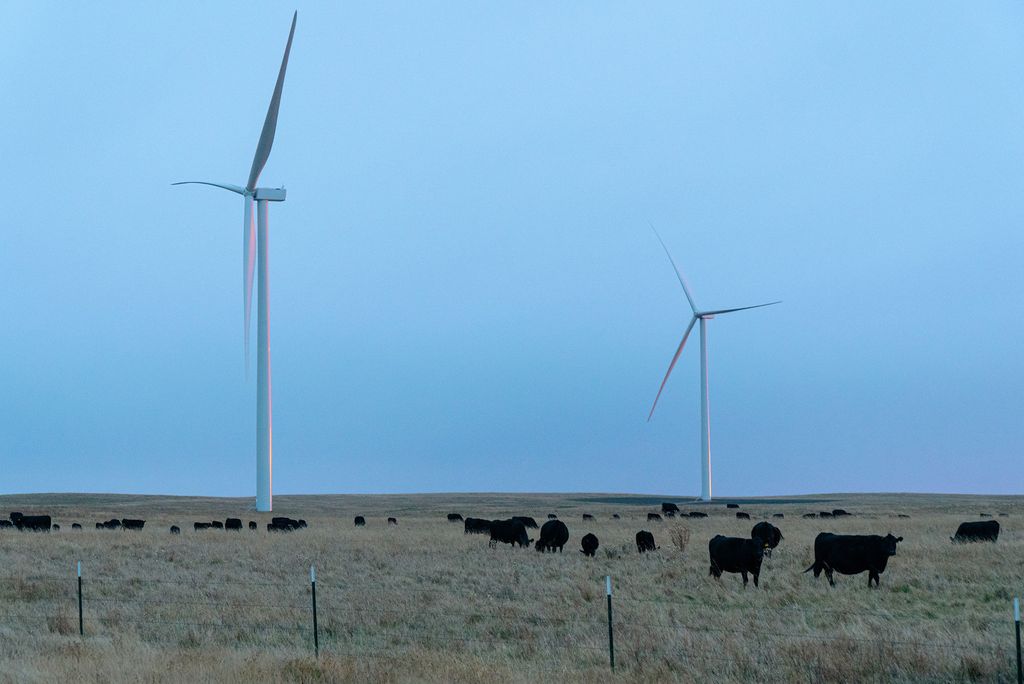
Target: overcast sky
(465,292)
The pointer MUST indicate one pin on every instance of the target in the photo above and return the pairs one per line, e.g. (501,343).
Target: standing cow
(589,544)
(985,530)
(645,542)
(851,554)
(553,535)
(510,532)
(735,554)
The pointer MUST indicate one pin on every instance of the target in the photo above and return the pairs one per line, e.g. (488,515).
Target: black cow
(33,523)
(645,542)
(778,515)
(55,527)
(985,530)
(902,515)
(454,517)
(476,526)
(734,554)
(175,529)
(825,514)
(553,534)
(392,521)
(732,505)
(653,516)
(526,520)
(851,554)
(284,524)
(508,532)
(131,524)
(99,526)
(552,516)
(588,516)
(217,524)
(253,525)
(985,515)
(768,534)
(112,524)
(201,526)
(839,513)
(809,515)
(233,524)
(698,514)
(669,508)
(302,524)
(6,523)
(76,526)
(615,516)
(589,544)
(359,521)
(740,515)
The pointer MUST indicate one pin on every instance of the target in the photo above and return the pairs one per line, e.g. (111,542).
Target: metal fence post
(316,633)
(81,624)
(1016,622)
(611,633)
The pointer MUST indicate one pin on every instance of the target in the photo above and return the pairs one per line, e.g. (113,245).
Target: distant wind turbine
(250,240)
(705,417)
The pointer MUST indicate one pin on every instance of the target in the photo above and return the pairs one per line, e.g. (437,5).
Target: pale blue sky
(465,292)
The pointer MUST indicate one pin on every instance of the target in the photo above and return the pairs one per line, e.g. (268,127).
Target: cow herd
(842,553)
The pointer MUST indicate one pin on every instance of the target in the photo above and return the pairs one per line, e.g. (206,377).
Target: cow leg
(743,573)
(872,575)
(828,574)
(756,575)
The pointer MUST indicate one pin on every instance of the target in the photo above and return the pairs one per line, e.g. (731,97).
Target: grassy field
(424,602)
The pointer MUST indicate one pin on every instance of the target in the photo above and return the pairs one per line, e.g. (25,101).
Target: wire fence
(645,635)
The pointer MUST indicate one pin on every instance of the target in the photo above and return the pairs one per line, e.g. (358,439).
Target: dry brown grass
(424,602)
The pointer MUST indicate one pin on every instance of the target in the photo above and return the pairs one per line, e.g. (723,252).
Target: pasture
(421,601)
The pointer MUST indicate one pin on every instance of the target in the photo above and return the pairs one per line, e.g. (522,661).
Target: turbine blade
(226,186)
(682,280)
(742,308)
(672,365)
(248,269)
(270,123)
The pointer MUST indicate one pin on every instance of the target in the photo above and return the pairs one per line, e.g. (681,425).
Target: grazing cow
(839,513)
(615,516)
(392,521)
(5,523)
(732,505)
(359,521)
(175,529)
(825,514)
(552,516)
(33,523)
(55,527)
(589,544)
(768,534)
(669,508)
(778,515)
(526,520)
(112,524)
(809,515)
(201,526)
(233,524)
(653,516)
(740,515)
(698,514)
(645,542)
(985,515)
(508,532)
(217,524)
(553,535)
(476,526)
(851,554)
(130,524)
(302,524)
(454,517)
(588,516)
(99,526)
(283,524)
(734,554)
(985,530)
(253,525)
(76,526)
(902,515)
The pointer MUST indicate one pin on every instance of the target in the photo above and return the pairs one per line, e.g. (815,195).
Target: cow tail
(811,567)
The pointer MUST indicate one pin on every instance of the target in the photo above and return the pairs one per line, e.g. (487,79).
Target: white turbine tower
(705,417)
(251,244)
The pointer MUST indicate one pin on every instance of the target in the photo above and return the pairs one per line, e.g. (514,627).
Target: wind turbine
(705,417)
(254,241)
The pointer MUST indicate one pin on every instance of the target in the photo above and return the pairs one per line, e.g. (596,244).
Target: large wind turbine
(705,417)
(251,244)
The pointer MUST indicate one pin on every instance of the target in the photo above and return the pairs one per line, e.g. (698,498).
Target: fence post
(611,633)
(81,624)
(316,633)
(1016,622)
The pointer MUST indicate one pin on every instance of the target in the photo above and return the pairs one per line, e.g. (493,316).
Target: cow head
(889,543)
